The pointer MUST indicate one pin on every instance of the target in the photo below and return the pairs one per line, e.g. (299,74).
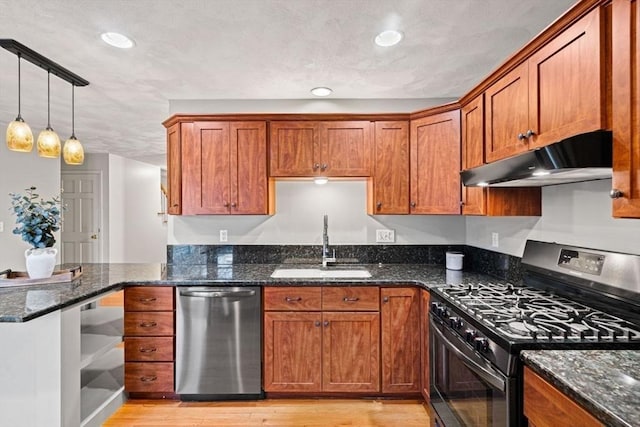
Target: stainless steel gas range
(571,298)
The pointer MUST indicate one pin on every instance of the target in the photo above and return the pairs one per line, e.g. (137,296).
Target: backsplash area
(499,265)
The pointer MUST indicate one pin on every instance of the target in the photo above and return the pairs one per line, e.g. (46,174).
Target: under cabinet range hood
(584,157)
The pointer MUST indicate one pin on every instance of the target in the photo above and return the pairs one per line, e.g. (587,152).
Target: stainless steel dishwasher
(218,343)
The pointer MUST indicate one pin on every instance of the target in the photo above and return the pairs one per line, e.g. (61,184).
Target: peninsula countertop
(23,303)
(605,382)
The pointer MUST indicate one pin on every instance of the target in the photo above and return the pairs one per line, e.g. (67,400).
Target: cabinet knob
(385,299)
(615,193)
(317,323)
(233,205)
(413,204)
(225,204)
(324,167)
(316,166)
(529,133)
(326,323)
(461,202)
(379,205)
(522,136)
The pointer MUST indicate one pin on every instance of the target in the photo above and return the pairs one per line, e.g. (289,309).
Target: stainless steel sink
(318,273)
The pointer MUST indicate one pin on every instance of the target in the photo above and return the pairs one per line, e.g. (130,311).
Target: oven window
(460,396)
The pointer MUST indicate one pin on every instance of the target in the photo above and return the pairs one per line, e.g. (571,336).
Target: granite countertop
(23,303)
(605,382)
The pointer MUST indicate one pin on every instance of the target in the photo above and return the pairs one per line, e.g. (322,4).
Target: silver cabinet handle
(148,379)
(316,166)
(148,324)
(146,300)
(292,299)
(615,193)
(529,133)
(324,167)
(347,299)
(147,350)
(385,299)
(233,205)
(317,323)
(379,205)
(412,204)
(326,323)
(203,293)
(522,136)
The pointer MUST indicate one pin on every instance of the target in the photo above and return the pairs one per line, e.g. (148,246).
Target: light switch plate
(223,235)
(385,236)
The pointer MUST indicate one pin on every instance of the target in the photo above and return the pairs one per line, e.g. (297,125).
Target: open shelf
(102,383)
(101,331)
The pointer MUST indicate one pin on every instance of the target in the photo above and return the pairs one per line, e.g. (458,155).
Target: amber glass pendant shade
(19,136)
(73,153)
(48,144)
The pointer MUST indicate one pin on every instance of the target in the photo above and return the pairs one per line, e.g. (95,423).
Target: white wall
(577,214)
(137,233)
(19,171)
(300,206)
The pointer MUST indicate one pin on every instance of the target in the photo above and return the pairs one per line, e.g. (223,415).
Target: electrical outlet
(223,235)
(495,240)
(385,236)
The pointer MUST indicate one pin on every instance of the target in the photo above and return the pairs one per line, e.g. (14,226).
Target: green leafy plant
(36,219)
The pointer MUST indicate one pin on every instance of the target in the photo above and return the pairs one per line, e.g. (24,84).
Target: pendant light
(19,136)
(48,141)
(73,152)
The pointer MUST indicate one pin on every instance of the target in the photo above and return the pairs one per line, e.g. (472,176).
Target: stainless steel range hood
(582,157)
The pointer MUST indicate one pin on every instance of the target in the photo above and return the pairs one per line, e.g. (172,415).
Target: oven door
(466,390)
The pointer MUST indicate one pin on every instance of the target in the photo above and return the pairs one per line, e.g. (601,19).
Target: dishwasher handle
(216,293)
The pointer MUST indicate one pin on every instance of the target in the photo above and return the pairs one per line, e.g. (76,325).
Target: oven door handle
(487,375)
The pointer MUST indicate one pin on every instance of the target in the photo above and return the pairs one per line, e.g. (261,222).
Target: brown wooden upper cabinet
(174,170)
(388,188)
(435,164)
(224,168)
(558,92)
(626,108)
(320,148)
(490,201)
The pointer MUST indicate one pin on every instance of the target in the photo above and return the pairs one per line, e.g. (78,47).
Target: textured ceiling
(247,50)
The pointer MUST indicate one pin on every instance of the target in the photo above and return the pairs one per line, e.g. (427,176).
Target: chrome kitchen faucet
(326,258)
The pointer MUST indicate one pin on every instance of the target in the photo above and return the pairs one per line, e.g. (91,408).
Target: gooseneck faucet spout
(326,255)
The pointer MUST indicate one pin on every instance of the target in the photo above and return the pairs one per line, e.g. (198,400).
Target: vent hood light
(320,180)
(117,40)
(321,91)
(583,157)
(388,38)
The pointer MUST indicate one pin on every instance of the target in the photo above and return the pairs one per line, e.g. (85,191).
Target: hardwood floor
(273,412)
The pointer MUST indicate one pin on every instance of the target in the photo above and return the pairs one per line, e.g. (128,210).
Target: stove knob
(434,306)
(455,322)
(481,344)
(470,334)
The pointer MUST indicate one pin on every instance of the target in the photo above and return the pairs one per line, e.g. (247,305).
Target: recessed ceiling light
(388,38)
(117,40)
(321,91)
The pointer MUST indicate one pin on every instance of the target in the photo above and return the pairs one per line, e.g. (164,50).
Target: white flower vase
(40,262)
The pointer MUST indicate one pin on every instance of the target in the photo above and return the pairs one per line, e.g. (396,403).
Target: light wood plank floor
(273,412)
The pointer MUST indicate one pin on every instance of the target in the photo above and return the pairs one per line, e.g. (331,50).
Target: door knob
(94,236)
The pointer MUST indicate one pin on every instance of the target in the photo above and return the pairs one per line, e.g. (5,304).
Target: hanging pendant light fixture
(19,135)
(48,141)
(73,152)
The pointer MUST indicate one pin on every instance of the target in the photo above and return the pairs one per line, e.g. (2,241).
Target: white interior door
(81,196)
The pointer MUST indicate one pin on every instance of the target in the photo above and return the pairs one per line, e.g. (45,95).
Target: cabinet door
(294,148)
(473,198)
(351,352)
(205,169)
(346,148)
(174,170)
(400,340)
(425,367)
(626,108)
(248,165)
(507,115)
(388,192)
(566,83)
(435,164)
(292,351)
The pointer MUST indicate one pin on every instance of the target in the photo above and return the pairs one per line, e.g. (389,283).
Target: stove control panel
(581,261)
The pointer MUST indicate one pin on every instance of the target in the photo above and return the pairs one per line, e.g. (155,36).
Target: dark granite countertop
(605,382)
(23,303)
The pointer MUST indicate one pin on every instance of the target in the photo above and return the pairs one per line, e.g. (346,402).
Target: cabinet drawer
(148,349)
(292,298)
(152,323)
(343,298)
(148,298)
(148,377)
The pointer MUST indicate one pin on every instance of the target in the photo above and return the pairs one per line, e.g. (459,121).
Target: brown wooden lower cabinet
(149,329)
(546,406)
(355,347)
(425,366)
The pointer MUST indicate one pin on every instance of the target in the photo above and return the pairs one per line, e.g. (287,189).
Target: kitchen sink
(319,273)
